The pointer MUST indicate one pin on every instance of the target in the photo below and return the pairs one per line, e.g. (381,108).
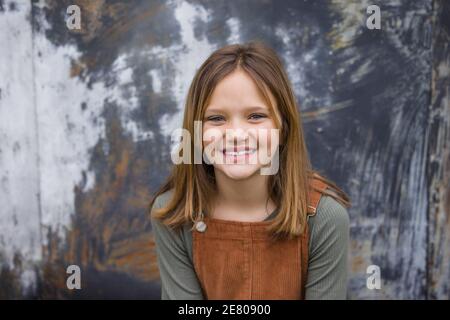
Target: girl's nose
(236,136)
(237,123)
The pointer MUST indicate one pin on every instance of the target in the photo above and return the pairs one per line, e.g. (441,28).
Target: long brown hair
(194,184)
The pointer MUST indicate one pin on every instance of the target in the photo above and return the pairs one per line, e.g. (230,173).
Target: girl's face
(237,127)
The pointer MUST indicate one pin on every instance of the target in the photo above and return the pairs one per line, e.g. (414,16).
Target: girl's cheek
(268,139)
(212,137)
(206,138)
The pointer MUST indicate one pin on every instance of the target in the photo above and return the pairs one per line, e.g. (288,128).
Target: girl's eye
(257,116)
(215,118)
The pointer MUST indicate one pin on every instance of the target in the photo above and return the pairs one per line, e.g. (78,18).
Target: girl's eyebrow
(250,108)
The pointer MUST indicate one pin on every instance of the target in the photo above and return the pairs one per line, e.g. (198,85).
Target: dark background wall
(86,117)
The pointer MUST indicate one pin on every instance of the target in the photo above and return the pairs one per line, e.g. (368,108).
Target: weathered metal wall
(86,117)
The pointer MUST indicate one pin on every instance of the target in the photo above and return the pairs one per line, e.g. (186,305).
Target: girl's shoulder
(330,208)
(330,223)
(162,199)
(176,236)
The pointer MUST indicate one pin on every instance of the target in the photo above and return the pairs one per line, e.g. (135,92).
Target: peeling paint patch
(191,53)
(19,177)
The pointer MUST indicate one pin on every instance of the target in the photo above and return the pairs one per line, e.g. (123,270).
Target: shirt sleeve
(328,249)
(178,278)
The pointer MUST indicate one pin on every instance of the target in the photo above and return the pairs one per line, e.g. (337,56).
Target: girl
(224,229)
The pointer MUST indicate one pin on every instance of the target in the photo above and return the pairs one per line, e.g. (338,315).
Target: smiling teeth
(240,153)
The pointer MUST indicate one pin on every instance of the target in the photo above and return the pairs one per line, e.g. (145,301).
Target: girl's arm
(178,278)
(328,248)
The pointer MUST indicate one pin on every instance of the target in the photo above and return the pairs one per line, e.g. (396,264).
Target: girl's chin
(239,172)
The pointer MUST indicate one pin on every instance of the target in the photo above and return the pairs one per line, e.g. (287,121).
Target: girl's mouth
(240,153)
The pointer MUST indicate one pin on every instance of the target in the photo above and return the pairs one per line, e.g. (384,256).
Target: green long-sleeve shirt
(327,264)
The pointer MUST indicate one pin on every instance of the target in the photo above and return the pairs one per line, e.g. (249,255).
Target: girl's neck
(248,195)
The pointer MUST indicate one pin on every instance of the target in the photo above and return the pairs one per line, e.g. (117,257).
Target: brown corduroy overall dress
(236,260)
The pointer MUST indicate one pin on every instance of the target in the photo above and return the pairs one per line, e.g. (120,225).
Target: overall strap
(316,188)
